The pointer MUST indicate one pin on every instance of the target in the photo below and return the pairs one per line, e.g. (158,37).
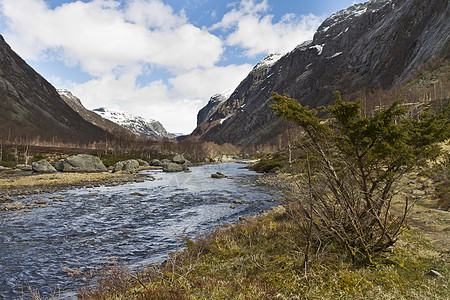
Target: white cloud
(255,31)
(101,35)
(205,83)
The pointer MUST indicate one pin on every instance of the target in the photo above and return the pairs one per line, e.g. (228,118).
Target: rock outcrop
(80,163)
(367,47)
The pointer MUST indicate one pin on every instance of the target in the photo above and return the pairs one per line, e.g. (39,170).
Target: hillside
(31,108)
(364,49)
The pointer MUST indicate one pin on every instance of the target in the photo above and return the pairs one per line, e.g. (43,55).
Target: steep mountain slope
(139,126)
(366,47)
(91,116)
(30,106)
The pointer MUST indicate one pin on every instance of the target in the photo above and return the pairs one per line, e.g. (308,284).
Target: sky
(158,59)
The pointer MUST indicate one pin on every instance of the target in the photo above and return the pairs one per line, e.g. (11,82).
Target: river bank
(16,184)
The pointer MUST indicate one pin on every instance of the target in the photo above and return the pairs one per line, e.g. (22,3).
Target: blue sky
(159,59)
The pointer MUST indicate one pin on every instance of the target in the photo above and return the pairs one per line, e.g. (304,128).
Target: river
(137,223)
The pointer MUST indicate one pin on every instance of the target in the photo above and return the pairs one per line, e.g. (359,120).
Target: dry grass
(54,179)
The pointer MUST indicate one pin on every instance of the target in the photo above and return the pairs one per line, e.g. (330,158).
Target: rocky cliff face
(145,128)
(210,108)
(91,116)
(368,46)
(30,106)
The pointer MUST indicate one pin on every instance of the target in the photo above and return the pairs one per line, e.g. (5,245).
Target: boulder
(178,159)
(2,168)
(156,163)
(173,167)
(143,163)
(80,163)
(24,167)
(43,166)
(165,161)
(218,175)
(207,161)
(127,166)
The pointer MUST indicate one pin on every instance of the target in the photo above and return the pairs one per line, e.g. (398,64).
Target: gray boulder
(173,167)
(24,167)
(43,166)
(179,159)
(164,161)
(127,166)
(143,163)
(80,163)
(156,163)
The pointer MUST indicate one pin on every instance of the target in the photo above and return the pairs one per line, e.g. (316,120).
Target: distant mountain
(366,47)
(138,125)
(30,106)
(91,116)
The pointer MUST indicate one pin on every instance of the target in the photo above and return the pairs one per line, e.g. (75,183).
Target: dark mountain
(372,46)
(31,107)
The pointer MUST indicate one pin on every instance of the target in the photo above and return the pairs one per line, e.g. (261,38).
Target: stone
(238,202)
(42,166)
(81,163)
(178,159)
(143,163)
(207,161)
(156,163)
(127,166)
(173,167)
(13,206)
(2,168)
(24,167)
(218,175)
(41,201)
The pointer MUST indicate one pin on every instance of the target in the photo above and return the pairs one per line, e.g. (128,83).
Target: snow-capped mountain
(138,125)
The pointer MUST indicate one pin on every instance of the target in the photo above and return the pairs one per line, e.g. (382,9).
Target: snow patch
(319,48)
(334,55)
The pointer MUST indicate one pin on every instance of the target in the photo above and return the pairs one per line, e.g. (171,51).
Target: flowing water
(137,223)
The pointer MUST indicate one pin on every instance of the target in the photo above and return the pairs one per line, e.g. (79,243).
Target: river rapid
(137,223)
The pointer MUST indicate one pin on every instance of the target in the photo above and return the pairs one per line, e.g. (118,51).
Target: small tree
(356,165)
